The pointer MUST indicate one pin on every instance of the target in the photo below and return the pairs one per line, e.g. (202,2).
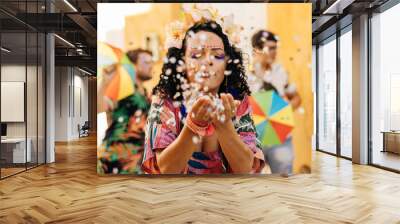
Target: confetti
(176,104)
(178,94)
(172,60)
(115,170)
(138,113)
(301,110)
(191,34)
(168,71)
(227,72)
(222,118)
(171,122)
(196,140)
(121,119)
(203,37)
(236,61)
(263,39)
(198,77)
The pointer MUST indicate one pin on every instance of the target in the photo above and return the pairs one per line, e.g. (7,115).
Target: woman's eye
(220,56)
(196,55)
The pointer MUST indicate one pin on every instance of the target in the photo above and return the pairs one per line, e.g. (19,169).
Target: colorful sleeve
(161,131)
(245,128)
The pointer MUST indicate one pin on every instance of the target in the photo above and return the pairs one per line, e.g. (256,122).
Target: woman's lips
(205,75)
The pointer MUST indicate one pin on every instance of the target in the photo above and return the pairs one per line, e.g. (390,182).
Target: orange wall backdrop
(292,24)
(154,21)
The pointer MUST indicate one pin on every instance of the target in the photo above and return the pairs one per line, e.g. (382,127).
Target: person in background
(267,75)
(121,151)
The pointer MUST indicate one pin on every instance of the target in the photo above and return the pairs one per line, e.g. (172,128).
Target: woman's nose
(208,59)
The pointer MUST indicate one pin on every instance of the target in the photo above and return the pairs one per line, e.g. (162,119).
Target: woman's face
(205,60)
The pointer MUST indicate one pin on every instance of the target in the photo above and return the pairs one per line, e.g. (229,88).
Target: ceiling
(76,22)
(331,15)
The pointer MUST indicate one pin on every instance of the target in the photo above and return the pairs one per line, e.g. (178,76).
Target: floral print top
(161,132)
(121,151)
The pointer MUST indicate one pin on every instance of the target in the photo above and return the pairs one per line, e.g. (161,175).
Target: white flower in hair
(231,29)
(201,13)
(175,34)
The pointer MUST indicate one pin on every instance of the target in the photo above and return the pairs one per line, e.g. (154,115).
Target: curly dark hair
(236,83)
(257,40)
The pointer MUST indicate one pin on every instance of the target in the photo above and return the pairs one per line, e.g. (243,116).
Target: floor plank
(69,191)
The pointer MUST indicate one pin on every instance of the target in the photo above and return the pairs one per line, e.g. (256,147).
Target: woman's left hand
(221,118)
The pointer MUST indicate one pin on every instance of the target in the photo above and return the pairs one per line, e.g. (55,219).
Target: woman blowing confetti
(199,121)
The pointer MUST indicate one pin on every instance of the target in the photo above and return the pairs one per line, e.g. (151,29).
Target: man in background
(267,75)
(121,151)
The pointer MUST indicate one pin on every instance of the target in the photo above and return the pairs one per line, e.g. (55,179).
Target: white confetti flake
(222,118)
(263,39)
(171,122)
(172,60)
(115,170)
(203,37)
(196,140)
(121,119)
(178,94)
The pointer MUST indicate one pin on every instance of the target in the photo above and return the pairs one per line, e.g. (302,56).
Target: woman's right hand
(201,111)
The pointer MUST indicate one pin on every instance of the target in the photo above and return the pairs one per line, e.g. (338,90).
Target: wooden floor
(387,159)
(70,191)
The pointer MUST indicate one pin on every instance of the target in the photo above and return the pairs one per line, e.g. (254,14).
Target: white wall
(13,73)
(252,17)
(71,94)
(33,127)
